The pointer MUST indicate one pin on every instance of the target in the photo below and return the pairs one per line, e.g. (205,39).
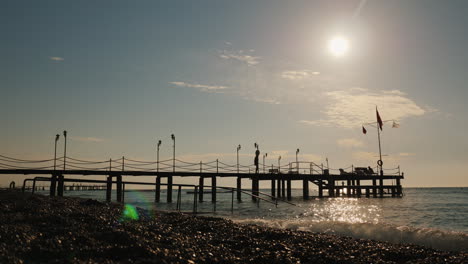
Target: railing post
(123,163)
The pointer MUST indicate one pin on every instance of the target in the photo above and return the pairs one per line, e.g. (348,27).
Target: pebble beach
(40,229)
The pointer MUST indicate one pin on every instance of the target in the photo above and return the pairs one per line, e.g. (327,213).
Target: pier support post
(399,189)
(305,189)
(374,187)
(109,188)
(331,187)
(201,183)
(348,188)
(320,188)
(381,188)
(273,191)
(289,189)
(169,189)
(157,195)
(283,188)
(60,185)
(213,189)
(239,187)
(119,188)
(278,184)
(53,185)
(255,188)
(358,183)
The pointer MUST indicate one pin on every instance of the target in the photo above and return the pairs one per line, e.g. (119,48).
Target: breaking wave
(434,238)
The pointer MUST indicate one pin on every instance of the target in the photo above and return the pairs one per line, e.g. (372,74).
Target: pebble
(71,230)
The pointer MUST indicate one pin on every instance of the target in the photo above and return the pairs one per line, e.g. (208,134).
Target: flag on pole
(364,131)
(379,120)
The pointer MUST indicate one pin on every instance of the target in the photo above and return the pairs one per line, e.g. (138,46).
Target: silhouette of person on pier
(257,153)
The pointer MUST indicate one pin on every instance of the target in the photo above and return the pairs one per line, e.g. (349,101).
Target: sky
(121,75)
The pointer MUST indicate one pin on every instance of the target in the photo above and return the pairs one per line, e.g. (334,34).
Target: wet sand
(39,229)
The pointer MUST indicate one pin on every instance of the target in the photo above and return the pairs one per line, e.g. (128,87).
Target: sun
(338,46)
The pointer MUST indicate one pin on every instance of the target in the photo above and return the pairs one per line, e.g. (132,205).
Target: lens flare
(129,213)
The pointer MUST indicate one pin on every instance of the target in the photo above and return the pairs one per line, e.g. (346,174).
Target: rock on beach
(40,229)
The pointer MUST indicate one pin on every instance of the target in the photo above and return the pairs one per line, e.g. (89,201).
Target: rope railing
(180,165)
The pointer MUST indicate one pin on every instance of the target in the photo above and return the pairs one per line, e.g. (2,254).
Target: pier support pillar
(381,188)
(213,189)
(399,189)
(239,187)
(60,185)
(53,185)
(289,190)
(119,188)
(273,191)
(320,189)
(283,188)
(255,188)
(331,187)
(348,188)
(201,183)
(157,195)
(374,187)
(108,188)
(367,192)
(278,191)
(305,189)
(358,183)
(169,189)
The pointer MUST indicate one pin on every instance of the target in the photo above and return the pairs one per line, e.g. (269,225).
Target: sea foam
(434,238)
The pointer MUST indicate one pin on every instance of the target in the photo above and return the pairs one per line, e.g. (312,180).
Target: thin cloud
(57,59)
(201,87)
(241,56)
(298,75)
(351,108)
(349,142)
(87,139)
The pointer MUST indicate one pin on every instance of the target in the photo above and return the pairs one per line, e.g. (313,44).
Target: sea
(432,217)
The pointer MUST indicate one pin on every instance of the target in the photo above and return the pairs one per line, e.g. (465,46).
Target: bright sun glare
(338,46)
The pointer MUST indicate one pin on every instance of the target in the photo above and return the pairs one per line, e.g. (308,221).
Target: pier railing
(171,165)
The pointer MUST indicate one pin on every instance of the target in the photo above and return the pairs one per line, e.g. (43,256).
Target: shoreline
(40,229)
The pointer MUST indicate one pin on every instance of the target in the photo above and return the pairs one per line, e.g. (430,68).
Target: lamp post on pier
(238,148)
(279,164)
(264,155)
(65,149)
(297,162)
(55,152)
(157,156)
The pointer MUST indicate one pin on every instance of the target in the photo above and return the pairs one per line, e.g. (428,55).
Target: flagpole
(380,148)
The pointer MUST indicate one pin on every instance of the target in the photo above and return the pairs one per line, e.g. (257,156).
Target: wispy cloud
(298,75)
(350,108)
(87,139)
(57,59)
(349,142)
(241,56)
(201,87)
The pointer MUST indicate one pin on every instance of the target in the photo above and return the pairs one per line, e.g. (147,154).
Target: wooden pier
(358,182)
